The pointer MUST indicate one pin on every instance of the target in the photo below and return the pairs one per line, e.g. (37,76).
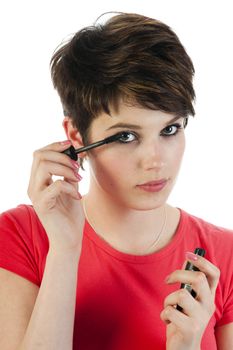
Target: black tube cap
(199,251)
(71,153)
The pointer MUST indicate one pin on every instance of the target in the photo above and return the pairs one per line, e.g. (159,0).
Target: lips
(154,183)
(153,186)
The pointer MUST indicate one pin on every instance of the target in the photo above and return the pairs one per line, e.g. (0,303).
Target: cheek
(109,169)
(177,152)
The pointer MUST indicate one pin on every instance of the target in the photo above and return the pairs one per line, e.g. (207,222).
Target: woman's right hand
(57,203)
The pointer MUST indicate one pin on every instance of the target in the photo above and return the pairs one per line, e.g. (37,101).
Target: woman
(104,271)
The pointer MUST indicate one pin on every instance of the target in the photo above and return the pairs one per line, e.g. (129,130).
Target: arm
(17,299)
(45,320)
(224,337)
(57,204)
(52,321)
(39,318)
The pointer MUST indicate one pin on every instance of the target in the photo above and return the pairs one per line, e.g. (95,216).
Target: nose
(153,157)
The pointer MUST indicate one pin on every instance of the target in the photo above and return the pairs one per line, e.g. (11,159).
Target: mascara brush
(72,152)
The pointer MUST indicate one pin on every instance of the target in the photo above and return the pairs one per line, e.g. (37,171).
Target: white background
(31,113)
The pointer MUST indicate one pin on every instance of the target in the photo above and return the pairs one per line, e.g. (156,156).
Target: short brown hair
(131,56)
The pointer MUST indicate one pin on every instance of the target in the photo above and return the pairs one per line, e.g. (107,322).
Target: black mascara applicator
(72,152)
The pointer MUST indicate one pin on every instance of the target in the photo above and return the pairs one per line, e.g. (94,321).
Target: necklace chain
(155,242)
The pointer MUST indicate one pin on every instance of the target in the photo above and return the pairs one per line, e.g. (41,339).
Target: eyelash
(178,126)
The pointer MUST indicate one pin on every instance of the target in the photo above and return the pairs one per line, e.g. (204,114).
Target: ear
(73,134)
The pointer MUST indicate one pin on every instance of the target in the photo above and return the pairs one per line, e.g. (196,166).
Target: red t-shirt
(120,296)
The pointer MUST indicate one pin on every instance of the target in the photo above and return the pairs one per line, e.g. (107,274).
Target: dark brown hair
(131,56)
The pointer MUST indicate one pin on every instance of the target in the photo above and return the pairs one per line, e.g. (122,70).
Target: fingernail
(74,164)
(191,256)
(79,177)
(66,142)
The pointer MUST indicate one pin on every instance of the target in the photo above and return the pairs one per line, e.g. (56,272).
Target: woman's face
(151,150)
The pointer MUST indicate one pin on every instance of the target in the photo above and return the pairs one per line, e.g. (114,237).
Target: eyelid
(136,134)
(178,125)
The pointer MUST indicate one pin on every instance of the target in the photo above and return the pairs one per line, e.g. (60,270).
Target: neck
(127,230)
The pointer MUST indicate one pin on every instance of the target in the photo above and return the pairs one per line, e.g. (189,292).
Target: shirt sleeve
(17,250)
(227,316)
(226,279)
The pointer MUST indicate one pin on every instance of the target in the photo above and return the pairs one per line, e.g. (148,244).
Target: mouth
(153,186)
(154,183)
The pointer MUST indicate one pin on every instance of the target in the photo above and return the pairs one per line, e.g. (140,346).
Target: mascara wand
(72,152)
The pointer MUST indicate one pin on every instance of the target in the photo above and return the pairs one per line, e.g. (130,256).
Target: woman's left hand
(185,329)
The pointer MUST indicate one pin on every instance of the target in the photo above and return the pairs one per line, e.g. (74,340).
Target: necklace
(155,242)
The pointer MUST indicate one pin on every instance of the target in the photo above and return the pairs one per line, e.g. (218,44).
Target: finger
(56,146)
(195,279)
(211,271)
(51,152)
(51,194)
(43,177)
(184,299)
(170,314)
(75,184)
(54,155)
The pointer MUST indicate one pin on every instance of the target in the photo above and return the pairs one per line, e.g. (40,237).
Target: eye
(127,136)
(171,130)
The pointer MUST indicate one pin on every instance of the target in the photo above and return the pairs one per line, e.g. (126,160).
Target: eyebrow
(134,126)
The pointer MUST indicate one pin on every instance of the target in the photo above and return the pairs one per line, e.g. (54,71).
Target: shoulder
(207,230)
(19,213)
(216,240)
(24,243)
(21,221)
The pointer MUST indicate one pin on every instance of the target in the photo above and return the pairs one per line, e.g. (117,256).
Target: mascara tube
(190,267)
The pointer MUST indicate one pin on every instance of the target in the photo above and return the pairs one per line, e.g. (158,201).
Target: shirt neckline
(90,233)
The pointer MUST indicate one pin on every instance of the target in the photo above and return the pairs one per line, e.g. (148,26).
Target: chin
(145,205)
